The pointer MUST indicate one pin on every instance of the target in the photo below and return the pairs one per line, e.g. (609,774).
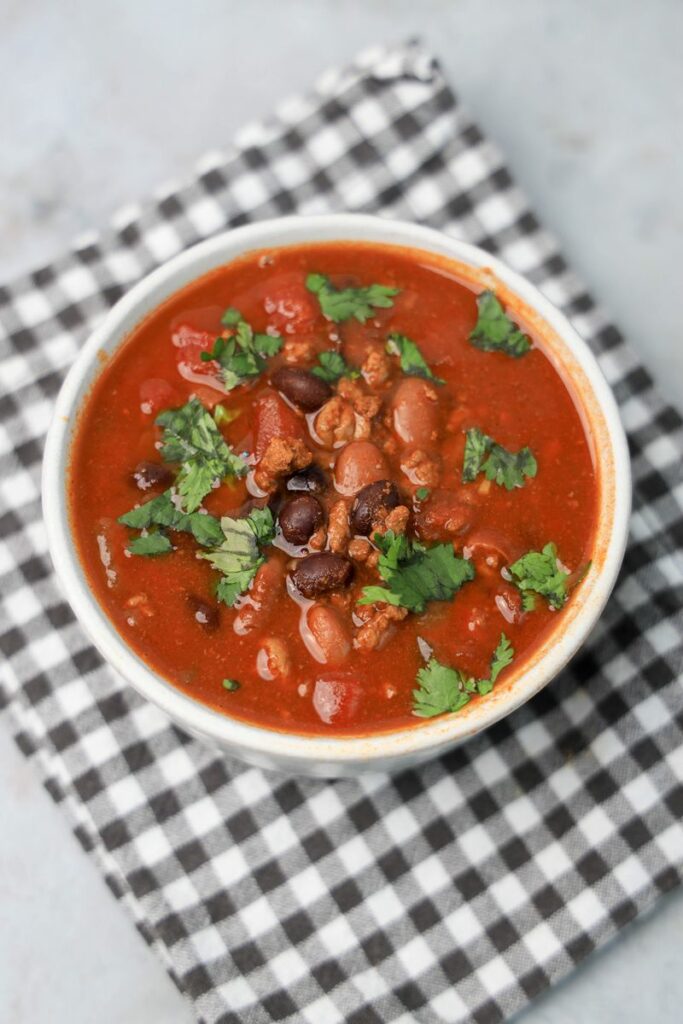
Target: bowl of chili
(336,493)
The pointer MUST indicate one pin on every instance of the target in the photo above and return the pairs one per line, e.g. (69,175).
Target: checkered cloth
(457,892)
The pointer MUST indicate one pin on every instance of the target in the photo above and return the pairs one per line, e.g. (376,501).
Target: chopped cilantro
(442,689)
(230,685)
(162,511)
(231,317)
(502,657)
(150,544)
(192,438)
(239,556)
(495,331)
(339,304)
(416,574)
(422,493)
(242,356)
(538,572)
(507,469)
(412,360)
(332,367)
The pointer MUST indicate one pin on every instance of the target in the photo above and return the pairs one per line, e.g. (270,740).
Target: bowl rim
(573,358)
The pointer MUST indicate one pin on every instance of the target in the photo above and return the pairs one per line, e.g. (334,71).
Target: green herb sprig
(442,690)
(495,331)
(340,304)
(416,574)
(484,455)
(191,438)
(239,556)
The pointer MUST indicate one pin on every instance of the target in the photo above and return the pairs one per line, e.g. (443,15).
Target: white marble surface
(103,101)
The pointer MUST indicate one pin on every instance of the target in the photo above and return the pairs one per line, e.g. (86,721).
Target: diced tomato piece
(336,698)
(291,308)
(274,418)
(157,394)
(190,344)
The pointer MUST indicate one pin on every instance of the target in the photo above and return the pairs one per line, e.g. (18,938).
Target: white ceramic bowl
(318,755)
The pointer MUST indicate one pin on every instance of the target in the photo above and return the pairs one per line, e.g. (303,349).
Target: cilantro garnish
(484,455)
(162,511)
(422,493)
(150,544)
(332,367)
(442,689)
(412,360)
(495,331)
(192,438)
(239,556)
(538,572)
(242,355)
(230,685)
(339,304)
(416,574)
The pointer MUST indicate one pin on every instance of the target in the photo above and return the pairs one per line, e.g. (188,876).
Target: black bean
(370,501)
(311,480)
(204,613)
(151,474)
(301,387)
(300,517)
(316,574)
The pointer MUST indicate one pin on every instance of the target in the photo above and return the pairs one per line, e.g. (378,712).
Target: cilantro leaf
(242,355)
(507,469)
(231,685)
(440,690)
(239,556)
(538,572)
(444,690)
(332,367)
(162,511)
(422,493)
(495,331)
(502,657)
(150,544)
(412,360)
(231,317)
(192,438)
(339,304)
(416,574)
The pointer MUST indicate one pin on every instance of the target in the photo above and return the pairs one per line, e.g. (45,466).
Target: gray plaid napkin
(453,893)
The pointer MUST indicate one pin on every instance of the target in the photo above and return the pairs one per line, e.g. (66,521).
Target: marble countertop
(107,101)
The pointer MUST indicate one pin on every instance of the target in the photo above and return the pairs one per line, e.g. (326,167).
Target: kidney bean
(331,639)
(205,614)
(360,463)
(323,571)
(493,547)
(272,660)
(415,409)
(261,598)
(336,698)
(311,480)
(369,501)
(301,387)
(151,474)
(445,515)
(300,517)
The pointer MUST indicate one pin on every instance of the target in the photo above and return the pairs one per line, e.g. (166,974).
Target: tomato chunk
(291,307)
(274,418)
(336,698)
